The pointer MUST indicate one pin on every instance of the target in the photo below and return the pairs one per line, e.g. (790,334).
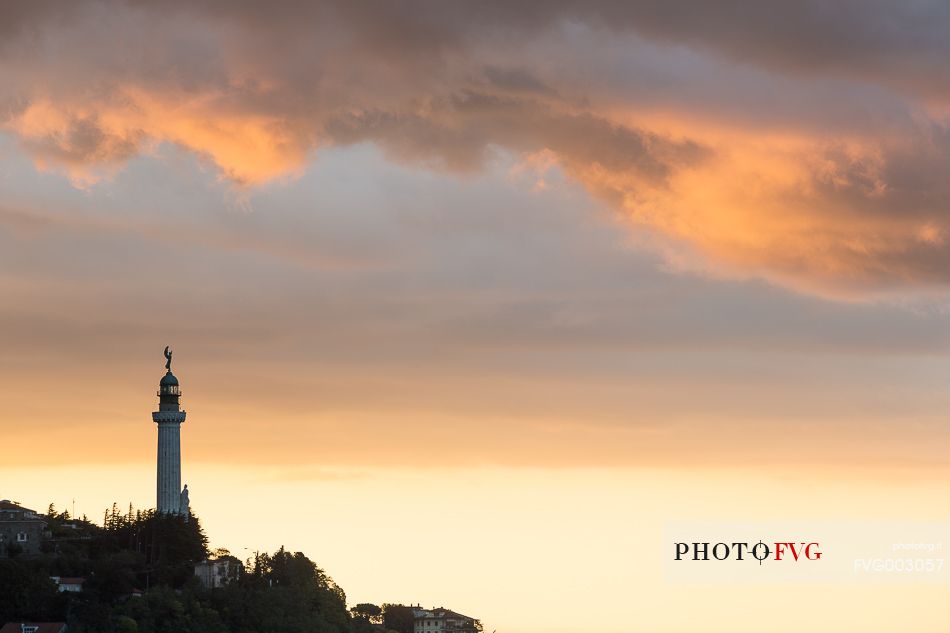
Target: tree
(369,611)
(398,617)
(169,544)
(26,591)
(285,592)
(144,550)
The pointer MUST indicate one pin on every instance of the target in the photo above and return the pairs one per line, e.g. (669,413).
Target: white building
(443,620)
(218,572)
(73,585)
(21,530)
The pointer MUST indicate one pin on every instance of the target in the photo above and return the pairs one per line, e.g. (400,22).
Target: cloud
(458,131)
(804,143)
(480,287)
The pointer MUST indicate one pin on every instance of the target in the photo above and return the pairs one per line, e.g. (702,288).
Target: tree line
(139,570)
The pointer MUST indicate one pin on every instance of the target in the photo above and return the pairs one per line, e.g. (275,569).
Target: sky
(478,297)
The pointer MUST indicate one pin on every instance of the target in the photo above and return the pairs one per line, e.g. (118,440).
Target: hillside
(139,578)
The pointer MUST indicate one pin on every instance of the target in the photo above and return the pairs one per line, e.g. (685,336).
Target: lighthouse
(171,498)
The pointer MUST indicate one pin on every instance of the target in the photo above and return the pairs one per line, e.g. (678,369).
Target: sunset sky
(469,300)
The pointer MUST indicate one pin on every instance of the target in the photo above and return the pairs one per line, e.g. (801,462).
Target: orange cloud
(248,148)
(864,206)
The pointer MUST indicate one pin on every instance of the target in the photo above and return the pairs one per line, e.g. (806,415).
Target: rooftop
(440,613)
(11,506)
(33,627)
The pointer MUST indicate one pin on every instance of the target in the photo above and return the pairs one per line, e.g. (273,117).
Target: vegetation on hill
(139,570)
(398,617)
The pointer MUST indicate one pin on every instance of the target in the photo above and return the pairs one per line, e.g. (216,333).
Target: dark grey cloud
(827,114)
(460,129)
(899,42)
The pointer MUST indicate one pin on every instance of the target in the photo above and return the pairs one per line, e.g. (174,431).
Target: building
(21,530)
(217,572)
(443,620)
(171,497)
(33,627)
(73,585)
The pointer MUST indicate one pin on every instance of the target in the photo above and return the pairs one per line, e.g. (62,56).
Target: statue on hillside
(168,358)
(184,506)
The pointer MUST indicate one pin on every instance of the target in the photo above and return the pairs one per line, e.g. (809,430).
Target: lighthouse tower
(169,417)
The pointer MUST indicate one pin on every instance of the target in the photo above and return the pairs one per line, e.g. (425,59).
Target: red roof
(41,627)
(6,504)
